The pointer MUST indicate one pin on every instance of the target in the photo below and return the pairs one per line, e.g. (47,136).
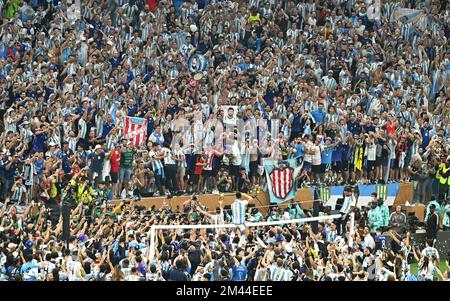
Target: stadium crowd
(112,243)
(359,93)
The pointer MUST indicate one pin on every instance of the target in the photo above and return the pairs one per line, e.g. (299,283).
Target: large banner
(282,178)
(414,16)
(135,130)
(388,192)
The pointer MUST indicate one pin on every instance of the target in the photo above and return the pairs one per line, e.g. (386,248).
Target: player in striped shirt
(238,209)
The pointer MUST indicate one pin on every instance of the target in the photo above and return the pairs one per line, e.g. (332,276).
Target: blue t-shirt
(380,242)
(239,272)
(299,150)
(268,98)
(346,152)
(295,126)
(39,142)
(425,137)
(354,127)
(326,155)
(318,115)
(337,153)
(26,268)
(39,166)
(107,127)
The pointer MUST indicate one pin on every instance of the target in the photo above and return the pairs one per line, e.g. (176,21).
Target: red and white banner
(282,178)
(135,130)
(282,182)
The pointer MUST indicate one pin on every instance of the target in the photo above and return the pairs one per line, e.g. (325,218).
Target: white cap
(52,144)
(97,147)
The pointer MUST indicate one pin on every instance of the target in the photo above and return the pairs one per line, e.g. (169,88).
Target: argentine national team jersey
(238,211)
(239,272)
(349,201)
(382,242)
(430,251)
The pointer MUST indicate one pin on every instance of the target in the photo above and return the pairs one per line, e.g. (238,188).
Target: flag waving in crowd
(282,177)
(136,130)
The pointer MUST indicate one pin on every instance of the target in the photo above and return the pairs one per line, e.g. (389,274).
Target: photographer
(446,220)
(243,182)
(419,173)
(397,220)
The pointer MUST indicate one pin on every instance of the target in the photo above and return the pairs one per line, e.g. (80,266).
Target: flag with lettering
(135,130)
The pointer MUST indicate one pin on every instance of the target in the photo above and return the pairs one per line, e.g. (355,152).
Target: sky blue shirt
(299,150)
(327,155)
(318,115)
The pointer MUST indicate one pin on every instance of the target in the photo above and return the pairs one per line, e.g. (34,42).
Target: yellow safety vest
(253,19)
(443,180)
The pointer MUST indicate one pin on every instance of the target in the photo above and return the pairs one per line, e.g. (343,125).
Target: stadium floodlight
(231,226)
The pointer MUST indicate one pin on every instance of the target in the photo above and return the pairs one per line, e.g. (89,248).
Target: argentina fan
(224,141)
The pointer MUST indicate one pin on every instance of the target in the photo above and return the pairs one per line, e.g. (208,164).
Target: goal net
(154,228)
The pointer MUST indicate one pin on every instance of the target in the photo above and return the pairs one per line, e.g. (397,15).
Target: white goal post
(249,224)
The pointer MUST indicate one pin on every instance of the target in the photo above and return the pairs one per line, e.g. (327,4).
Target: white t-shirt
(168,156)
(369,241)
(371,152)
(307,156)
(132,278)
(317,155)
(74,271)
(237,159)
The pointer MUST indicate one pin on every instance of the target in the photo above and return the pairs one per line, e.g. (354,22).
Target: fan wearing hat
(53,150)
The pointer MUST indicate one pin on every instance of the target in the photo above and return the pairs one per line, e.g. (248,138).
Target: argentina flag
(113,111)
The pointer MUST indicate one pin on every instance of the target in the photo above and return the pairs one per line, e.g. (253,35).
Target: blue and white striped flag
(113,110)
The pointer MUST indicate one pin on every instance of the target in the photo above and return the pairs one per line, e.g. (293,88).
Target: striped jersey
(180,155)
(349,201)
(18,192)
(238,209)
(157,165)
(168,160)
